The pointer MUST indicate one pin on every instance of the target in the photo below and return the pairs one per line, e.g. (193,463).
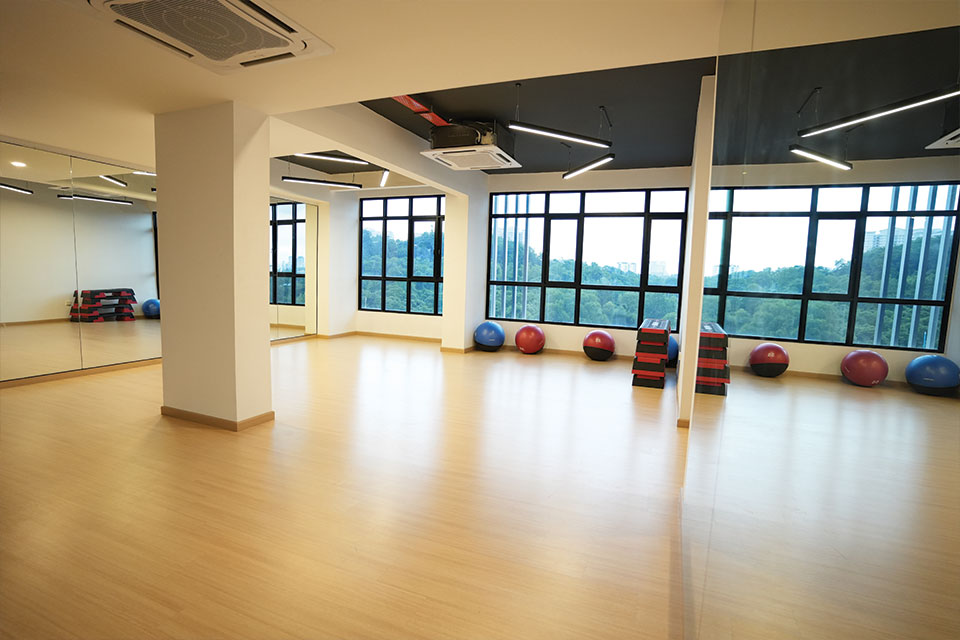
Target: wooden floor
(408,493)
(51,347)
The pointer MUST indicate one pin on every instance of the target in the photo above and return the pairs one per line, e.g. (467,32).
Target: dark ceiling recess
(759,94)
(654,107)
(329,166)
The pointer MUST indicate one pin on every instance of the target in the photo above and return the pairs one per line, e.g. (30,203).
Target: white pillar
(212,212)
(698,214)
(464,269)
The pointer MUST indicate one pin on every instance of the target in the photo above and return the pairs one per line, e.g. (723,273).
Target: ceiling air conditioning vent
(472,146)
(949,141)
(221,35)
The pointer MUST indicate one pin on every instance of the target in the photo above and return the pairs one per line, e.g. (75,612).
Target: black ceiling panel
(331,167)
(653,107)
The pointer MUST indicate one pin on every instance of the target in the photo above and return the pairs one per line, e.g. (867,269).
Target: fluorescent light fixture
(119,183)
(880,112)
(144,173)
(19,164)
(819,157)
(559,135)
(593,164)
(94,199)
(383,178)
(325,183)
(10,187)
(322,156)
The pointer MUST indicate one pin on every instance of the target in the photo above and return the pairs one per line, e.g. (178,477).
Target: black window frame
(276,275)
(852,297)
(436,279)
(577,285)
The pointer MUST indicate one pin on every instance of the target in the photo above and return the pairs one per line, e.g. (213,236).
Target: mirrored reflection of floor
(278,331)
(50,347)
(816,509)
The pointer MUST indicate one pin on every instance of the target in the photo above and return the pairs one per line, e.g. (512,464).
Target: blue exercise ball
(489,336)
(151,308)
(933,375)
(673,350)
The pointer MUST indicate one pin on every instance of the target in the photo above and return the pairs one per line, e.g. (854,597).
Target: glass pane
(372,249)
(370,294)
(284,248)
(612,251)
(662,305)
(270,236)
(882,199)
(499,204)
(443,205)
(827,321)
(301,263)
(396,296)
(946,198)
(714,248)
(925,198)
(887,273)
(301,211)
(772,200)
(398,206)
(563,250)
(284,290)
(665,243)
(514,302)
(831,273)
(839,198)
(273,297)
(425,206)
(711,309)
(612,202)
(442,244)
(284,211)
(560,305)
(768,254)
(668,201)
(897,325)
(421,297)
(397,232)
(440,300)
(719,200)
(565,202)
(424,237)
(372,208)
(609,307)
(762,317)
(299,295)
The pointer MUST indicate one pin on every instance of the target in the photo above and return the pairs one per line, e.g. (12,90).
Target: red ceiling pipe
(419,109)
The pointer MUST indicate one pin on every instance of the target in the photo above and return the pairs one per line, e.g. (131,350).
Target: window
(401,254)
(288,234)
(867,265)
(597,258)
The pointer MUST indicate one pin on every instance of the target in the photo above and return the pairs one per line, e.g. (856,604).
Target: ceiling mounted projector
(221,35)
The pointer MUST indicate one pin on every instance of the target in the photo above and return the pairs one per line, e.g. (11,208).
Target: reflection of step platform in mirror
(650,358)
(713,367)
(102,305)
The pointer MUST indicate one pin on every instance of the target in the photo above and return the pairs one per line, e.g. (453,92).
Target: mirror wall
(77,263)
(293,268)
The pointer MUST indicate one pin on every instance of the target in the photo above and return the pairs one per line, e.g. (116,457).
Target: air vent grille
(207,26)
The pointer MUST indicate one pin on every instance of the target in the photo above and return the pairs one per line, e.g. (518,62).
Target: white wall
(40,264)
(288,314)
(399,324)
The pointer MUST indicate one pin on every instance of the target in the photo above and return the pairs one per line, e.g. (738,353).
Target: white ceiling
(69,80)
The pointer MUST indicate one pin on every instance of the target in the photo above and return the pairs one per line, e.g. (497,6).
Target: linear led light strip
(144,173)
(119,183)
(819,157)
(593,164)
(325,183)
(94,199)
(880,112)
(383,178)
(10,187)
(559,135)
(321,156)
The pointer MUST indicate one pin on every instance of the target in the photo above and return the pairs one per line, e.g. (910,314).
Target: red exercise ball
(864,368)
(599,345)
(530,338)
(769,360)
